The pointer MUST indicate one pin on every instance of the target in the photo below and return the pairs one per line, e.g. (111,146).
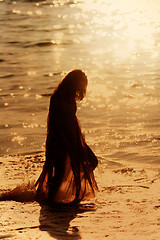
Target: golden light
(130,24)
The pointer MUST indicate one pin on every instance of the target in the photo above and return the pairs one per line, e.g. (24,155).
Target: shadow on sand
(56,220)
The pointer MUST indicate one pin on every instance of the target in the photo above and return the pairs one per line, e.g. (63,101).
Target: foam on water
(22,193)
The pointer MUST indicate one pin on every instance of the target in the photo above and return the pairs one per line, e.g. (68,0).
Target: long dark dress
(67,174)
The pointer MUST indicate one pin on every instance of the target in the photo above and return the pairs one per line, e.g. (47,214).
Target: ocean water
(116,43)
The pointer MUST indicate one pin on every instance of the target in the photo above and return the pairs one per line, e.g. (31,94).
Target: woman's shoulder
(55,98)
(60,102)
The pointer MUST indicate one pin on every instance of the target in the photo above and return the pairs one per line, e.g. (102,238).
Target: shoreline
(127,206)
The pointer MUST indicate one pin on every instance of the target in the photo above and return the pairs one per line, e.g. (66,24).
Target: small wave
(52,74)
(13,42)
(70,2)
(46,94)
(46,44)
(137,85)
(6,236)
(3,126)
(7,76)
(4,95)
(21,193)
(125,170)
(41,44)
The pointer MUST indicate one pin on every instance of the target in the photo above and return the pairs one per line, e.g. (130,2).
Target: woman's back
(67,174)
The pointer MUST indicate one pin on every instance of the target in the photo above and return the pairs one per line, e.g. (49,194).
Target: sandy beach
(127,207)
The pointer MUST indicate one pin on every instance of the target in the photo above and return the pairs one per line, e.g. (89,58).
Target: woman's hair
(73,84)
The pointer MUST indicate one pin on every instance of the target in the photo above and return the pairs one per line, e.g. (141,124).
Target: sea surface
(116,43)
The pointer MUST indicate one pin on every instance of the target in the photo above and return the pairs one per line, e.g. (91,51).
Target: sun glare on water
(133,25)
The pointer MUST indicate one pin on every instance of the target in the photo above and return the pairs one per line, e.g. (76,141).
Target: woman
(67,175)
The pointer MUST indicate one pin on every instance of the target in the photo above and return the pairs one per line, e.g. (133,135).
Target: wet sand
(127,206)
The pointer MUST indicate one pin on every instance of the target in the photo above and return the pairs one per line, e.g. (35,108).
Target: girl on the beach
(67,175)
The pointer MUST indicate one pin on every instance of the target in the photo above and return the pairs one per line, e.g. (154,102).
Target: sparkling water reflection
(115,42)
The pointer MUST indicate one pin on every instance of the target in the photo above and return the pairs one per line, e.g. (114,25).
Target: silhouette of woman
(67,175)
